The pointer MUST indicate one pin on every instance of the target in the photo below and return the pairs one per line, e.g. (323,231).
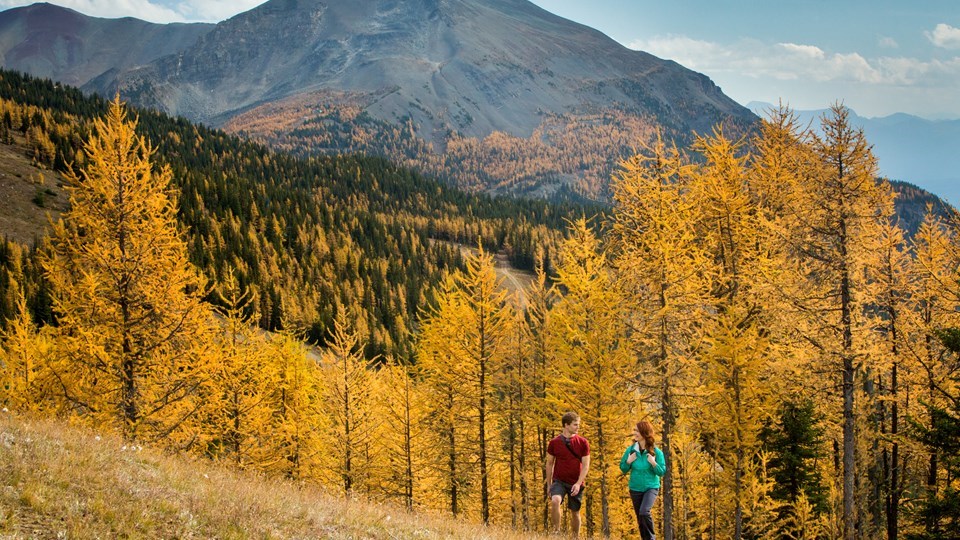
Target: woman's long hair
(646,431)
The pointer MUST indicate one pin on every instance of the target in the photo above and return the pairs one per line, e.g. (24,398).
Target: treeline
(304,236)
(763,308)
(568,157)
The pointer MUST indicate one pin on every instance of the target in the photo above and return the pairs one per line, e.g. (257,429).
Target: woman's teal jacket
(643,476)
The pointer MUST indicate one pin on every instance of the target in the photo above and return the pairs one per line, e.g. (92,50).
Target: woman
(646,465)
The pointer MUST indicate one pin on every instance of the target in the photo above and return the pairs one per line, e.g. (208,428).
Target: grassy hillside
(30,194)
(60,481)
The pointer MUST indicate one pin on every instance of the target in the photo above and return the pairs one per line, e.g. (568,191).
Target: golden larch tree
(27,384)
(834,222)
(937,295)
(402,455)
(590,340)
(300,421)
(351,406)
(240,414)
(736,355)
(438,356)
(472,323)
(660,262)
(132,326)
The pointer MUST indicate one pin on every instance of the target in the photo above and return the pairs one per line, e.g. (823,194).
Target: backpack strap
(570,448)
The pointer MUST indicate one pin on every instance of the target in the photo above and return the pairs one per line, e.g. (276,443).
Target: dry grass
(59,481)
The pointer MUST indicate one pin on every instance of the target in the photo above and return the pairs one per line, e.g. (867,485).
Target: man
(568,460)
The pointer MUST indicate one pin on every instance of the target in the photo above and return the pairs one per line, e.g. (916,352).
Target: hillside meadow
(61,481)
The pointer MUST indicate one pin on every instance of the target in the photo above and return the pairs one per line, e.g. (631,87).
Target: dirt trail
(513,280)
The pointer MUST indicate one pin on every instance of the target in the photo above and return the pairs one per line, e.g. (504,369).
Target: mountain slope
(473,66)
(59,43)
(305,236)
(491,95)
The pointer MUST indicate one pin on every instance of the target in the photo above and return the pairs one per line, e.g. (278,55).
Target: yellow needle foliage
(132,329)
(729,288)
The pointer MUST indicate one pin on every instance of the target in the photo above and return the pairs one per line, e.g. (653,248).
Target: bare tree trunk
(893,496)
(849,373)
(452,460)
(524,488)
(484,487)
(512,447)
(545,508)
(408,448)
(604,495)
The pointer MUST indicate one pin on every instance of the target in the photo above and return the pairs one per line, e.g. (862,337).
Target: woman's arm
(660,465)
(625,461)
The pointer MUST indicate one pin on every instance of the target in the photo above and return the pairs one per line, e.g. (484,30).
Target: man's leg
(575,523)
(555,501)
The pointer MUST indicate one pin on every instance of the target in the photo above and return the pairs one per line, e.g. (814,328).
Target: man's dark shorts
(563,490)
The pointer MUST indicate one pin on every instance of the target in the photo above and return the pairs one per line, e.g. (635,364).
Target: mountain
(410,79)
(909,148)
(475,66)
(59,43)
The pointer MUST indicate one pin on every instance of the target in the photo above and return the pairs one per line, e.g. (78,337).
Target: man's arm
(548,471)
(584,468)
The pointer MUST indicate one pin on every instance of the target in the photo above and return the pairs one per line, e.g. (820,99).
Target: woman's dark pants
(642,503)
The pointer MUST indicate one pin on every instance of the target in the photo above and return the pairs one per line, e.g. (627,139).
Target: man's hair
(570,418)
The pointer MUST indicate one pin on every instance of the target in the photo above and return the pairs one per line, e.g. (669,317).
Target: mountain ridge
(531,103)
(55,42)
(474,67)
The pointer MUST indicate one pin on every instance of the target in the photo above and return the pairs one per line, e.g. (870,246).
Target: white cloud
(813,77)
(886,42)
(792,61)
(945,36)
(214,10)
(809,51)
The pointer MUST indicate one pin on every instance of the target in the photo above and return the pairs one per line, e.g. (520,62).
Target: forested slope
(304,235)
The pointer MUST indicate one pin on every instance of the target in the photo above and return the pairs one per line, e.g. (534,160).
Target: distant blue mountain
(919,151)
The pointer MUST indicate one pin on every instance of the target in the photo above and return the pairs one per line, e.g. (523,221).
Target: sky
(877,57)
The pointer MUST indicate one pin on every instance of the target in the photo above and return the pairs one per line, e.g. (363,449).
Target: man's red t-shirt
(566,468)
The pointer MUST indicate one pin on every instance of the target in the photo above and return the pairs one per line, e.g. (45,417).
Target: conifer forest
(343,321)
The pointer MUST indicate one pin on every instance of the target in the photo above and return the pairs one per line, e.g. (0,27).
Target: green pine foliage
(794,441)
(939,511)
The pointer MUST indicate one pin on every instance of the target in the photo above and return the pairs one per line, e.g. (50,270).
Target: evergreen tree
(794,442)
(939,511)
